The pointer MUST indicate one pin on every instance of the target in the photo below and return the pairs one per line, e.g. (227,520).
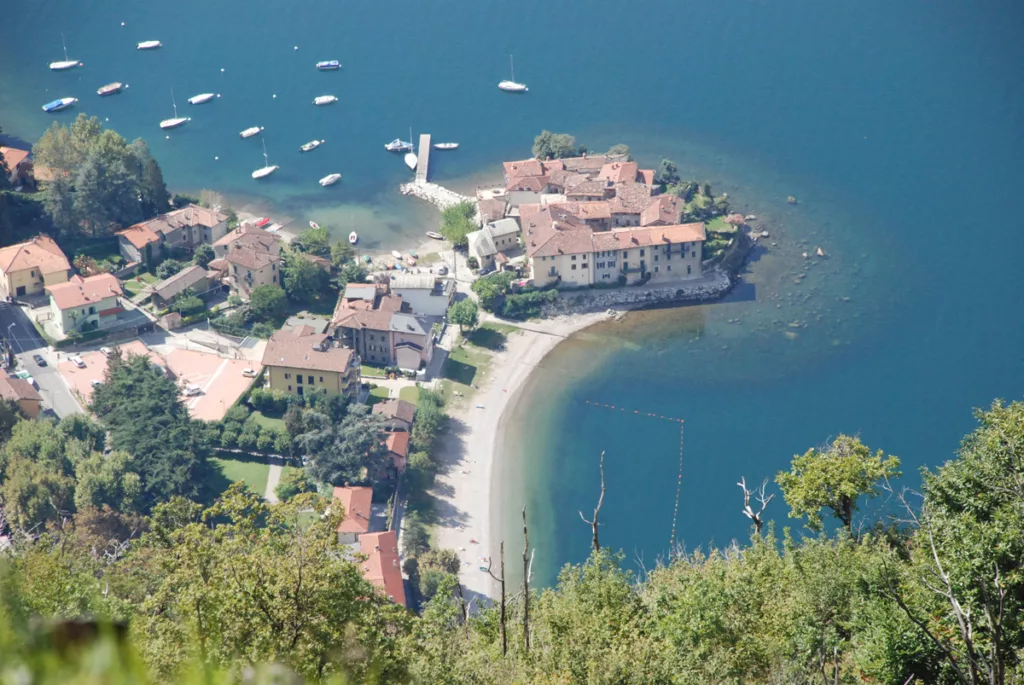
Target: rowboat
(435,235)
(59,104)
(353,239)
(201,98)
(324,100)
(328,65)
(396,254)
(330,179)
(446,146)
(263,221)
(251,131)
(411,160)
(311,145)
(411,261)
(149,45)
(110,88)
(313,224)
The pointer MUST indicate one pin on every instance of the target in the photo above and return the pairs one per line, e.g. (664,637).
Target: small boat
(65,63)
(59,104)
(176,121)
(410,260)
(435,235)
(251,131)
(511,86)
(110,88)
(201,98)
(330,179)
(324,100)
(268,168)
(411,160)
(311,145)
(398,145)
(396,254)
(328,65)
(149,45)
(353,239)
(313,224)
(263,221)
(446,146)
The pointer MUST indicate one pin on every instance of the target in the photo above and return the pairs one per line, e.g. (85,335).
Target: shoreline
(471,452)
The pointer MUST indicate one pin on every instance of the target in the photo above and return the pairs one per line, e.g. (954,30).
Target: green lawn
(253,473)
(409,394)
(273,422)
(464,367)
(378,395)
(372,371)
(135,287)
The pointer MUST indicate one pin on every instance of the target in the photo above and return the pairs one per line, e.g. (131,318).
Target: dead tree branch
(597,510)
(504,634)
(748,511)
(526,584)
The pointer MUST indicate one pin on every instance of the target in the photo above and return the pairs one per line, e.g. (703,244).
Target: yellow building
(300,361)
(28,268)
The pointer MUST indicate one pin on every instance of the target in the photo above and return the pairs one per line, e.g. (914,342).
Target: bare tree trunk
(597,510)
(526,584)
(502,617)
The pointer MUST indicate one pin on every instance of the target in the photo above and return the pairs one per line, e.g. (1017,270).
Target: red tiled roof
(357,504)
(398,443)
(293,350)
(39,253)
(139,235)
(383,567)
(81,292)
(663,209)
(619,172)
(396,409)
(17,389)
(631,198)
(13,156)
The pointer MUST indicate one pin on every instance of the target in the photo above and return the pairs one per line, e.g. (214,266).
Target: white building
(424,294)
(495,237)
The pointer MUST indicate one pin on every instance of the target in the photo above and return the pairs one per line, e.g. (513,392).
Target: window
(606,276)
(668,268)
(687,269)
(287,376)
(83,311)
(33,273)
(289,388)
(625,265)
(611,264)
(321,379)
(573,267)
(625,253)
(584,266)
(299,390)
(574,258)
(656,268)
(309,379)
(552,272)
(641,252)
(655,257)
(92,310)
(298,378)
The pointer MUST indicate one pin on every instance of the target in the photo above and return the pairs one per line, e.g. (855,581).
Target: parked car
(96,382)
(250,373)
(106,351)
(192,390)
(77,361)
(38,359)
(442,270)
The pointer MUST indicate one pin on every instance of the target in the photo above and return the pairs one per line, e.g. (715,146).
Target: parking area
(81,379)
(220,381)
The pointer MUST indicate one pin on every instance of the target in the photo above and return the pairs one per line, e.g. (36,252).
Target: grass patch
(464,367)
(370,371)
(135,285)
(409,394)
(430,258)
(253,473)
(378,395)
(719,225)
(272,422)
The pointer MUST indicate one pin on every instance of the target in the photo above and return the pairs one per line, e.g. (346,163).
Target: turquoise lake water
(897,125)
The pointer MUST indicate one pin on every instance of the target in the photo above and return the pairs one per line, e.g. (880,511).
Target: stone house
(184,229)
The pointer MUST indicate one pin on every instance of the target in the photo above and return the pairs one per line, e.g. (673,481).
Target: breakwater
(436,195)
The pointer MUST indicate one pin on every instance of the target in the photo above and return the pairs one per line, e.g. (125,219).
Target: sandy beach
(470,451)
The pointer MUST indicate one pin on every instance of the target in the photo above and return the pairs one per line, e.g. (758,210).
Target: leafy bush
(269,400)
(268,302)
(294,482)
(187,303)
(168,268)
(457,222)
(472,262)
(527,304)
(263,330)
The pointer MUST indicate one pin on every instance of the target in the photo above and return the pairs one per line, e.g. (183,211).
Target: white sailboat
(149,45)
(176,121)
(65,63)
(268,167)
(511,86)
(410,157)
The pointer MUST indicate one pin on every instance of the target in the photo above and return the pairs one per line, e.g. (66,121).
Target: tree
(342,253)
(457,222)
(314,241)
(491,289)
(464,314)
(340,452)
(268,302)
(187,303)
(834,478)
(168,268)
(550,145)
(294,482)
(152,189)
(620,149)
(203,255)
(90,197)
(5,174)
(667,173)
(416,538)
(108,480)
(304,279)
(352,272)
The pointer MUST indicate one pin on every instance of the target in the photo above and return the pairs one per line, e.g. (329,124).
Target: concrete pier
(423,158)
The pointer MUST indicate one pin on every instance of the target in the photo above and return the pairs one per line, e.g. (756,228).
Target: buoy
(122,23)
(216,159)
(275,96)
(222,70)
(296,47)
(218,94)
(167,137)
(107,119)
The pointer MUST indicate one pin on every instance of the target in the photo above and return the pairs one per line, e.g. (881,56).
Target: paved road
(16,327)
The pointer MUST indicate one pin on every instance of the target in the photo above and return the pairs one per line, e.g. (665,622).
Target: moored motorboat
(411,160)
(353,239)
(435,235)
(324,100)
(446,146)
(111,88)
(59,104)
(201,98)
(330,180)
(149,45)
(398,145)
(251,131)
(396,254)
(311,145)
(328,65)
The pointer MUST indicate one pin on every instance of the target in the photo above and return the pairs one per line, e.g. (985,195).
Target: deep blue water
(897,125)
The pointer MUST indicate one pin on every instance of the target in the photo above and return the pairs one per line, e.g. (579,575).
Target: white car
(106,351)
(96,382)
(192,390)
(77,361)
(249,373)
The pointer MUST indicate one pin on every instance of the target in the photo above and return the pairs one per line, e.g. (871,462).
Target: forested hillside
(911,587)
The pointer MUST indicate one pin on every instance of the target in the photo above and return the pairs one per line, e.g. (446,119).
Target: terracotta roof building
(398,447)
(82,304)
(356,501)
(300,362)
(183,228)
(194,277)
(28,268)
(250,266)
(398,414)
(21,392)
(383,567)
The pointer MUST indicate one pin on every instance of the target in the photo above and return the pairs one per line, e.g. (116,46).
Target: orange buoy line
(679,483)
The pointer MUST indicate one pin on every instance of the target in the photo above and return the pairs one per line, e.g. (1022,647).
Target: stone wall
(712,286)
